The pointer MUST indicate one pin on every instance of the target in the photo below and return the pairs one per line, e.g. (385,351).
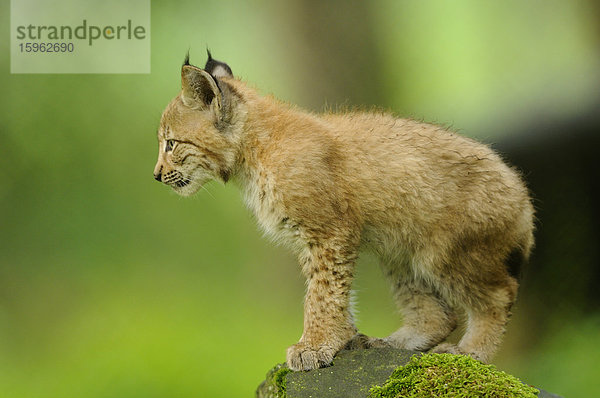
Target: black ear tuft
(217,68)
(186,61)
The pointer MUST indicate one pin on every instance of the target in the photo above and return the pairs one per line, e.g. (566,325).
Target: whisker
(210,194)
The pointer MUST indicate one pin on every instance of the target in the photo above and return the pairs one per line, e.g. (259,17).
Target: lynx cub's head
(198,134)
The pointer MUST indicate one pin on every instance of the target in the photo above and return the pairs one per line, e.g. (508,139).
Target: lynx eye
(169,145)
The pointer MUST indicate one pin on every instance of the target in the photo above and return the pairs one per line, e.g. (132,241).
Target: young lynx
(446,217)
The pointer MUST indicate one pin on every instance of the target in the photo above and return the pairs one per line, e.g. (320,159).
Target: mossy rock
(391,373)
(447,375)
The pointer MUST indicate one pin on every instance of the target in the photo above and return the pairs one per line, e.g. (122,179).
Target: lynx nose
(158,172)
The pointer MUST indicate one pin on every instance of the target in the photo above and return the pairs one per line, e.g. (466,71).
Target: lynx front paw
(302,356)
(361,341)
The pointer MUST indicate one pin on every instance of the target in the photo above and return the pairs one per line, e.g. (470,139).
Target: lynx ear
(199,88)
(217,68)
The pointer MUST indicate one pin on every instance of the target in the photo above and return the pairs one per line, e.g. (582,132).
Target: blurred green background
(113,286)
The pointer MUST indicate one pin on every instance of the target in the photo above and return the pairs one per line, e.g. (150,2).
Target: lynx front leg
(328,323)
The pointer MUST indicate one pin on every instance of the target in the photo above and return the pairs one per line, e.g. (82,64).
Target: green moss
(280,381)
(447,375)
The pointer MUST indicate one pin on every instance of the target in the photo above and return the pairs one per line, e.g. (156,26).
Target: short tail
(515,262)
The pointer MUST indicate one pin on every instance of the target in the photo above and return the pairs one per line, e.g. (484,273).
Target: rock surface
(352,374)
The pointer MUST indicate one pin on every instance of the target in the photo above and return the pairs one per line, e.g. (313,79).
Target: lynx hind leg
(486,323)
(427,318)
